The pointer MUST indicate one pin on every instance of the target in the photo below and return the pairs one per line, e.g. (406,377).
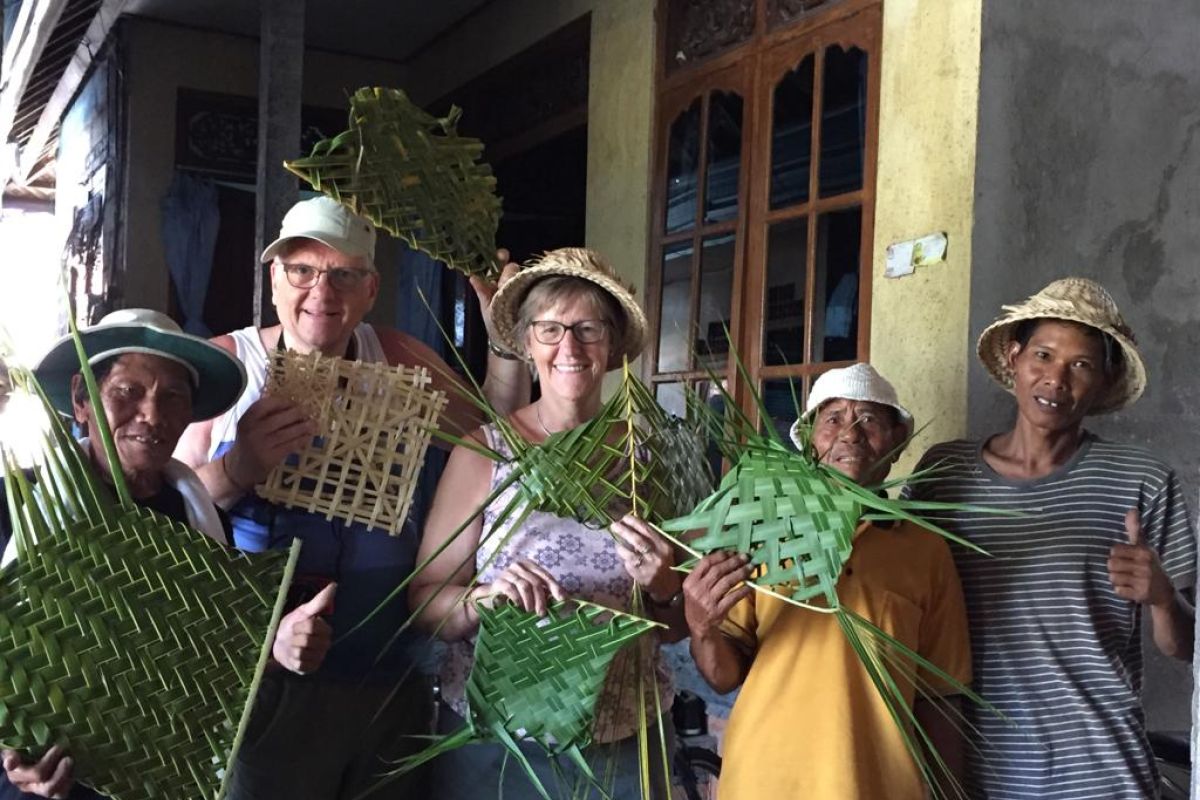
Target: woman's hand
(486,290)
(648,558)
(48,777)
(528,585)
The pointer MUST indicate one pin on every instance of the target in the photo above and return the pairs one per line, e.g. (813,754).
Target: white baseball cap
(856,382)
(328,222)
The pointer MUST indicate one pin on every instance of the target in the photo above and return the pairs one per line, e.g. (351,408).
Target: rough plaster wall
(1089,151)
(924,183)
(162,58)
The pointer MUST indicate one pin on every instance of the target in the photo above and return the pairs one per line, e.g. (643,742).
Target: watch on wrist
(499,352)
(674,601)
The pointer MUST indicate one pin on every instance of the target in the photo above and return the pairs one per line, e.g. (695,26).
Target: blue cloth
(190,219)
(367,566)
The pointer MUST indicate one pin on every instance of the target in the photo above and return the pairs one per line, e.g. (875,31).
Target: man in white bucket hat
(154,380)
(1103,533)
(796,670)
(323,283)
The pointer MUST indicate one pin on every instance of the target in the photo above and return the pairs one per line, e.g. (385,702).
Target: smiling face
(857,438)
(321,317)
(1058,374)
(148,402)
(570,370)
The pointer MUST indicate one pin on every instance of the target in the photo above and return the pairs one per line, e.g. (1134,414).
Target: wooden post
(280,87)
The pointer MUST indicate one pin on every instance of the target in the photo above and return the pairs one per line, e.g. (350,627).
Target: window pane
(671,397)
(716,293)
(835,317)
(783,317)
(683,161)
(781,405)
(709,394)
(676,309)
(791,136)
(724,156)
(843,120)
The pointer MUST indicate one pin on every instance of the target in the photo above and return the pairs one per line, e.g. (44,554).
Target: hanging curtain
(421,274)
(190,219)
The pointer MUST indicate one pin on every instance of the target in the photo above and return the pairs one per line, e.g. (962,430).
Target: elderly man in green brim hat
(154,380)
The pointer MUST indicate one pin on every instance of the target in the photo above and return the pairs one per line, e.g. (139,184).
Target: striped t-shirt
(1054,648)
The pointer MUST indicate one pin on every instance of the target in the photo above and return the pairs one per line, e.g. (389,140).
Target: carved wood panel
(697,29)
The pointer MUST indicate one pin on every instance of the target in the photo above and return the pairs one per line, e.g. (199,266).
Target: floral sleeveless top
(585,563)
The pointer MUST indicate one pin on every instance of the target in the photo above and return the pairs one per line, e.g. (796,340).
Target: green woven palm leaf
(129,638)
(632,456)
(411,174)
(538,678)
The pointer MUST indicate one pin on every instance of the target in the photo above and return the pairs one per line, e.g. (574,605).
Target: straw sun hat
(575,262)
(1074,300)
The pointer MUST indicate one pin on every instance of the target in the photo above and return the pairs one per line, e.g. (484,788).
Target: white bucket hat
(328,222)
(218,378)
(856,382)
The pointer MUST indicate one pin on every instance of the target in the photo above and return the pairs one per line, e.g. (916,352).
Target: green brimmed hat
(217,377)
(574,262)
(1076,300)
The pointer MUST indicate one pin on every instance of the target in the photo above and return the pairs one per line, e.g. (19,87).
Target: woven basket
(374,423)
(411,174)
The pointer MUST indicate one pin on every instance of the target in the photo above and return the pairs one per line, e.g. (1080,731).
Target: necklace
(538,410)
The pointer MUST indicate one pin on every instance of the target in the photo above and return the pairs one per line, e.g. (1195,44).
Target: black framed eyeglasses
(586,331)
(343,279)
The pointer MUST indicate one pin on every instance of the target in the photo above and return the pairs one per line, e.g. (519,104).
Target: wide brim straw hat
(860,382)
(1074,300)
(218,378)
(576,262)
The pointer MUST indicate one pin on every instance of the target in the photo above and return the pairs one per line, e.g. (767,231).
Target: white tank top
(253,355)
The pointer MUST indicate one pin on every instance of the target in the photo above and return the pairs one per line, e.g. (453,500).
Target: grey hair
(556,289)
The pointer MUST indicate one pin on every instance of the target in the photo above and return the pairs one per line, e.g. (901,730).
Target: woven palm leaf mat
(129,638)
(411,174)
(631,456)
(793,518)
(374,423)
(538,678)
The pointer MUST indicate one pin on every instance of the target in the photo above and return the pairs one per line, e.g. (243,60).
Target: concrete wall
(925,175)
(161,59)
(1087,165)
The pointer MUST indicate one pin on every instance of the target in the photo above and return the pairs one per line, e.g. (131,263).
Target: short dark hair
(101,371)
(1113,358)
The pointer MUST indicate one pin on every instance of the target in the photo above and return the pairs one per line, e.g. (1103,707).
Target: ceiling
(389,29)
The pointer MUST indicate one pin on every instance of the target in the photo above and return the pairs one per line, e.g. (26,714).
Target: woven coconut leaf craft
(411,174)
(374,423)
(539,678)
(796,519)
(132,640)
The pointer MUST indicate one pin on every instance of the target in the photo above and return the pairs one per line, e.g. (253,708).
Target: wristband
(501,353)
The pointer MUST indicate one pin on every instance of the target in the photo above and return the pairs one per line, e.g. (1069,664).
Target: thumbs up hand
(1135,570)
(304,637)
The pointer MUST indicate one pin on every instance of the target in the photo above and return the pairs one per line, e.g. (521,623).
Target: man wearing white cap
(323,283)
(809,721)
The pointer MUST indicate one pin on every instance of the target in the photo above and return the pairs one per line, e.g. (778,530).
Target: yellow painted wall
(925,183)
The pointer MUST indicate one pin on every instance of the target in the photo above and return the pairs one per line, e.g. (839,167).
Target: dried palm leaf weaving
(411,174)
(374,423)
(129,638)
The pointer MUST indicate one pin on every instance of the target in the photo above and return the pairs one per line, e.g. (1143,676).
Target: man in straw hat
(154,380)
(1104,531)
(323,283)
(809,722)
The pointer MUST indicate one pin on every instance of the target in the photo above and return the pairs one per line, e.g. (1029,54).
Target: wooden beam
(280,89)
(35,23)
(68,85)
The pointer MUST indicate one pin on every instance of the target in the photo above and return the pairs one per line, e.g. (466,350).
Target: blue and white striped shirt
(1055,649)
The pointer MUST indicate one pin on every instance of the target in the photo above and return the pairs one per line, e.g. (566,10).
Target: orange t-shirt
(809,723)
